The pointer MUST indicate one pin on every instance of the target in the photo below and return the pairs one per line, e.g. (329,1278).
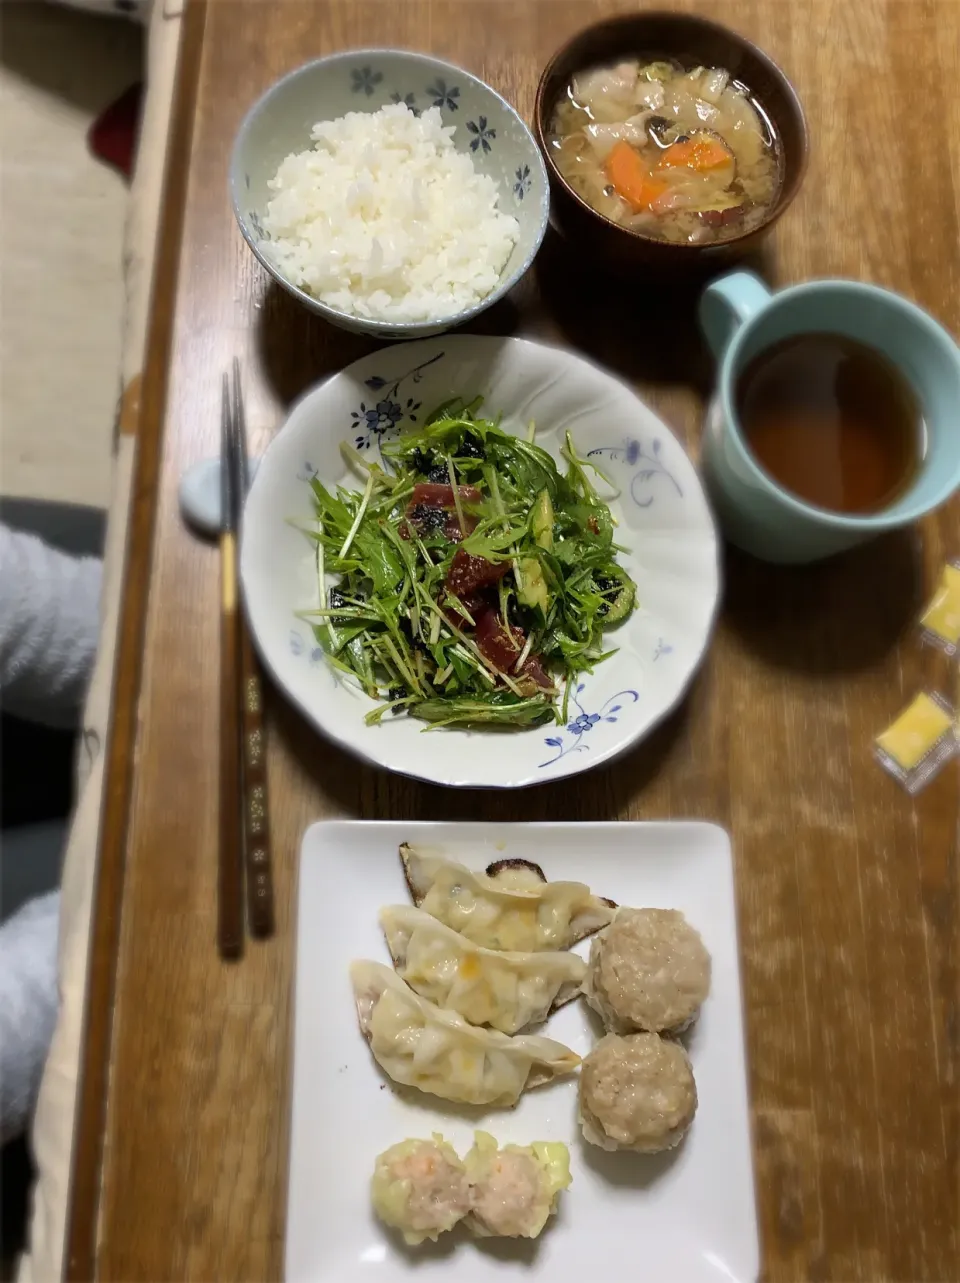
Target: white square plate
(684,1217)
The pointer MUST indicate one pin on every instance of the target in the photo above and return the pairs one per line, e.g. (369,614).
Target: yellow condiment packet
(915,746)
(915,731)
(940,621)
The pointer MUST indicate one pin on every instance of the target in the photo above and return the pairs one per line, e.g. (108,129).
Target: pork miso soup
(681,155)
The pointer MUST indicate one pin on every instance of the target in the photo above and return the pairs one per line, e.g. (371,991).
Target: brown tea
(831,420)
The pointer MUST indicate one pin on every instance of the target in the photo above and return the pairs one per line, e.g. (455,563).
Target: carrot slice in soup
(631,179)
(701,153)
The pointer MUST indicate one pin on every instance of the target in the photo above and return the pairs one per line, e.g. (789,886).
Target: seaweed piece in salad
(474,579)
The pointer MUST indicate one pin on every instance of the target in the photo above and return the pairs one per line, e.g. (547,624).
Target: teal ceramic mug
(741,317)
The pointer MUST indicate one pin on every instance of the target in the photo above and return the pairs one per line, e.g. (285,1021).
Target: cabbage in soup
(682,156)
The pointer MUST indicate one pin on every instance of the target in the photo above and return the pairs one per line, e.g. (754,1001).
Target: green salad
(475,579)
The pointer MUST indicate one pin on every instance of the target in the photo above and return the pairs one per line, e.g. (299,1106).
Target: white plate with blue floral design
(664,522)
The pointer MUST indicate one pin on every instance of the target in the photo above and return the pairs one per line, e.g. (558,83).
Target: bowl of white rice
(392,193)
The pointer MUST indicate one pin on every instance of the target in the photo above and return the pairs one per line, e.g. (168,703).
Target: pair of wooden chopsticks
(244,816)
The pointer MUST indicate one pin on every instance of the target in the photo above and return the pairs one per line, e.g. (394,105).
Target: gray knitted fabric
(49,624)
(28,1007)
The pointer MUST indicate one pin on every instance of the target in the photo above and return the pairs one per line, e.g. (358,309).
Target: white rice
(384,219)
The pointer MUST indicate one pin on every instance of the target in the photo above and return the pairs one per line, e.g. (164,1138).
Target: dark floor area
(16,1174)
(36,772)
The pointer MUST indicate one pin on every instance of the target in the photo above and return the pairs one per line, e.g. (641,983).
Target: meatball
(636,1092)
(420,1187)
(649,970)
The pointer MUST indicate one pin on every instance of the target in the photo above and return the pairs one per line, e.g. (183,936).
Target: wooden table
(848,890)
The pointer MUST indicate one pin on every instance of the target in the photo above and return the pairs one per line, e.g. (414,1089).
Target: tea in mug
(833,421)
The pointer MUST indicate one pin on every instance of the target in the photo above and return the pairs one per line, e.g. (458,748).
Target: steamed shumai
(649,971)
(422,1189)
(637,1091)
(514,1190)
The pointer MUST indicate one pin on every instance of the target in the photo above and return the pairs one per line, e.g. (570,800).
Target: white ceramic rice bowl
(488,130)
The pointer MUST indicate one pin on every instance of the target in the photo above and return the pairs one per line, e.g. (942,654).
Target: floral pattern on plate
(581,725)
(372,423)
(652,468)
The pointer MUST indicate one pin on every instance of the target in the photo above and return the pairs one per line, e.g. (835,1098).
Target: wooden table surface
(847,889)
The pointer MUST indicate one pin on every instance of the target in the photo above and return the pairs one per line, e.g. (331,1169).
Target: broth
(681,155)
(833,421)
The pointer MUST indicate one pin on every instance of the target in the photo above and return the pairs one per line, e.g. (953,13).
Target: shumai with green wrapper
(422,1189)
(474,578)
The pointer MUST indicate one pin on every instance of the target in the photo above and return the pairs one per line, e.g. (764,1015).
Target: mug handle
(727,302)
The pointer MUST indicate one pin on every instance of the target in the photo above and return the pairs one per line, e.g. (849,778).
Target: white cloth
(49,627)
(28,1007)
